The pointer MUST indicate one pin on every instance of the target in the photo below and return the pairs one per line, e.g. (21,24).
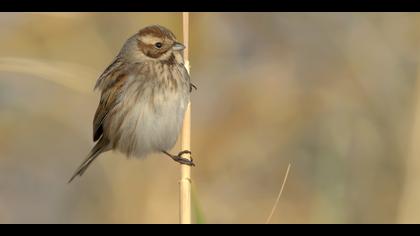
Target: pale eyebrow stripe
(149,39)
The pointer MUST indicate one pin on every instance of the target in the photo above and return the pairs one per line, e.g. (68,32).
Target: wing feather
(110,97)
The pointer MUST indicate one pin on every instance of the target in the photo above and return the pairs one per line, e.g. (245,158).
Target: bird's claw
(178,158)
(192,86)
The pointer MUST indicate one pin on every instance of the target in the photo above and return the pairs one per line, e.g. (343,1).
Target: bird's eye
(158,45)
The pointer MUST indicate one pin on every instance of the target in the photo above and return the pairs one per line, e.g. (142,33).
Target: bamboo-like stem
(185,182)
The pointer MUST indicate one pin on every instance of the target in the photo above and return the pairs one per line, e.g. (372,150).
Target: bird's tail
(100,147)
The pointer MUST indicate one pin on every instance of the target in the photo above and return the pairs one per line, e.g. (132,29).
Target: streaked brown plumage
(144,95)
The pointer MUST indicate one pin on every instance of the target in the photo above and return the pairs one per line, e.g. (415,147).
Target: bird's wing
(110,97)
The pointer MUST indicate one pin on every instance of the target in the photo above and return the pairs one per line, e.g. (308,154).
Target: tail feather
(100,147)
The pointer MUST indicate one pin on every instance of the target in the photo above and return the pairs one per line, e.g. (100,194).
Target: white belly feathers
(155,121)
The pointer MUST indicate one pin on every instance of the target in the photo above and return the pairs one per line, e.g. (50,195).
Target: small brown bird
(144,94)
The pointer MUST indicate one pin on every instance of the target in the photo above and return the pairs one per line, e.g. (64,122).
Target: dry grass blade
(279,195)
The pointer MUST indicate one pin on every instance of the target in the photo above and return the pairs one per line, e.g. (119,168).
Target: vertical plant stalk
(185,182)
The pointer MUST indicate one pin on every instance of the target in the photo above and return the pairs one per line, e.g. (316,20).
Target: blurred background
(334,94)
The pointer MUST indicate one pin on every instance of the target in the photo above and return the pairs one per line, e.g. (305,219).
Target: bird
(145,92)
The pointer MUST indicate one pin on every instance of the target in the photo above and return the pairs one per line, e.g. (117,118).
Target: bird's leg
(178,158)
(192,86)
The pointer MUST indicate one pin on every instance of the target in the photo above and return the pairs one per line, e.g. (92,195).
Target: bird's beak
(178,46)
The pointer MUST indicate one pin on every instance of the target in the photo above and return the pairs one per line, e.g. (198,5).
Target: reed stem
(185,182)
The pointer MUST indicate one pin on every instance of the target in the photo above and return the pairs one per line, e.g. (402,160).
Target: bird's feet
(192,86)
(178,158)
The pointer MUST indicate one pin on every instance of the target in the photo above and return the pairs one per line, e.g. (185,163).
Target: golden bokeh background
(334,94)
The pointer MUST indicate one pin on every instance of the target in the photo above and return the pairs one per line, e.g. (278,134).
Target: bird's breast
(154,114)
